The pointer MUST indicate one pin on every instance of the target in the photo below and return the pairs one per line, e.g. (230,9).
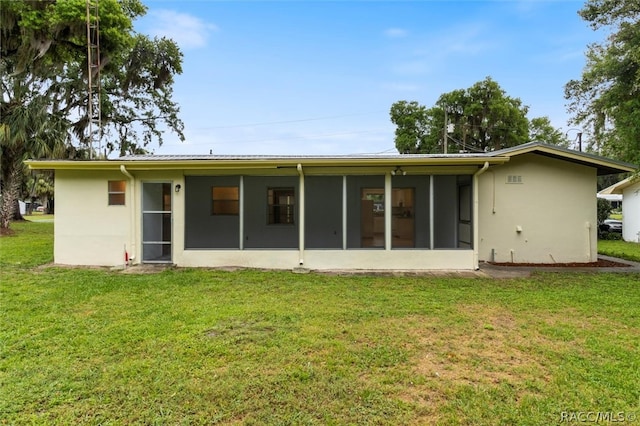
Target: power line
(278,139)
(302,120)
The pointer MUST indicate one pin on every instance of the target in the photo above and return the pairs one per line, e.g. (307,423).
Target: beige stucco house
(532,203)
(629,188)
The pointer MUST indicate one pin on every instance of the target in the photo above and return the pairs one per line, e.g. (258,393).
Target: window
(281,203)
(226,200)
(116,192)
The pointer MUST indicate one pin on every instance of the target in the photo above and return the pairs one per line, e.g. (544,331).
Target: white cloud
(446,48)
(395,33)
(188,31)
(468,39)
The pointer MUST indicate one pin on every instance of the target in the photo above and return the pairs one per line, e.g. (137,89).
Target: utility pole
(445,134)
(578,136)
(580,141)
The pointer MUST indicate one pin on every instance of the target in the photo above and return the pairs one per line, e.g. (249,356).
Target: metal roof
(214,157)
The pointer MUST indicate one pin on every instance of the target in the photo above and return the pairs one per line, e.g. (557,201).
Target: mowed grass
(39,217)
(621,249)
(193,346)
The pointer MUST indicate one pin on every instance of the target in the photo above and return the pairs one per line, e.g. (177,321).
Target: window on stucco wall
(117,192)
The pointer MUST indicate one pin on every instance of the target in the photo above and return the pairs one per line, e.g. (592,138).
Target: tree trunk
(10,193)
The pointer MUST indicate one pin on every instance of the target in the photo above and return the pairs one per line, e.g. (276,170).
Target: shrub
(605,235)
(604,208)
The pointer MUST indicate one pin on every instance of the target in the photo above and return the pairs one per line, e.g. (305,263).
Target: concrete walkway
(486,270)
(495,271)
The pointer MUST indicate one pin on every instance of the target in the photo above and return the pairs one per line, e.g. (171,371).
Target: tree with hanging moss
(44,75)
(605,101)
(480,118)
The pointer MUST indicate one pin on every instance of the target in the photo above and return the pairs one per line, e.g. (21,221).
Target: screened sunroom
(347,212)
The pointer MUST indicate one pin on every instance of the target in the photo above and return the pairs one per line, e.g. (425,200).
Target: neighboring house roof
(610,197)
(618,188)
(159,162)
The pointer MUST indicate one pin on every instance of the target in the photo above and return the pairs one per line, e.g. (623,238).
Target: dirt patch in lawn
(488,348)
(7,232)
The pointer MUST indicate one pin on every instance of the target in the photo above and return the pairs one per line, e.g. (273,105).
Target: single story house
(630,190)
(615,200)
(532,203)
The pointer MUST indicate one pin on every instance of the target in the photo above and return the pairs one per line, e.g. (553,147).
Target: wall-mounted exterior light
(398,171)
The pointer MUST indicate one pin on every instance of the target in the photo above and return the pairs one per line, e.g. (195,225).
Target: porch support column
(344,212)
(302,216)
(476,204)
(431,212)
(241,212)
(387,211)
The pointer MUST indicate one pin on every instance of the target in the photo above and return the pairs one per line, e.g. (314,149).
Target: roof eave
(619,187)
(604,166)
(258,163)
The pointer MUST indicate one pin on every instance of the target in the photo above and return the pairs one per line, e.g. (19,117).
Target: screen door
(156,222)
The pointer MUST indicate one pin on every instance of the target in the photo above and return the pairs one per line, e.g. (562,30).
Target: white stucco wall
(631,213)
(90,232)
(554,207)
(87,230)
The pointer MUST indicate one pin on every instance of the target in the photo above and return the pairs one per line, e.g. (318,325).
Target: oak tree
(44,74)
(480,118)
(605,101)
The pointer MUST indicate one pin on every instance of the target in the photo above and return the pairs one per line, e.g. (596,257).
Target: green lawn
(188,346)
(39,217)
(621,249)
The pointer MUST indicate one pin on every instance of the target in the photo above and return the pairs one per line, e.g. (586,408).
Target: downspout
(588,226)
(476,215)
(302,216)
(132,227)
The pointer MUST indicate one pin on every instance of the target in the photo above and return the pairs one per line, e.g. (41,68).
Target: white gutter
(476,233)
(132,226)
(302,215)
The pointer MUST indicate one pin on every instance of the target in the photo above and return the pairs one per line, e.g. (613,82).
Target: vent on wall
(514,179)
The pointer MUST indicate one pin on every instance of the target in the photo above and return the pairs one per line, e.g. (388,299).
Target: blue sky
(302,77)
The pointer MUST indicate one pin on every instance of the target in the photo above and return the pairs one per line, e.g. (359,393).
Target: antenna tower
(93,78)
